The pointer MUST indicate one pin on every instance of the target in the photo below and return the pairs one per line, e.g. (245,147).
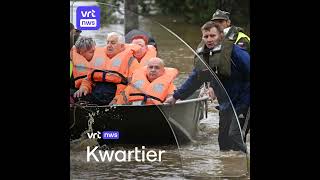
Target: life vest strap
(145,96)
(80,77)
(124,80)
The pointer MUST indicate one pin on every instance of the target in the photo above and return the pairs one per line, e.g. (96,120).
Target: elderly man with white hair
(116,64)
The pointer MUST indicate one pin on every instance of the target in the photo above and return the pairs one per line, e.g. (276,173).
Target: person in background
(231,64)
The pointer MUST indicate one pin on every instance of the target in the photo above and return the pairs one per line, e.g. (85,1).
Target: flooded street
(198,160)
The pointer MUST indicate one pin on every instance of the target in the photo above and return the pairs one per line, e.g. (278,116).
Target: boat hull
(162,124)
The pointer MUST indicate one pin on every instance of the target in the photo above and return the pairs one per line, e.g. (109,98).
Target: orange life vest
(81,67)
(151,53)
(114,70)
(151,93)
(133,47)
(99,58)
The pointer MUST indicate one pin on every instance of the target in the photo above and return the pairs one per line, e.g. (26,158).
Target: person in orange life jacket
(74,35)
(81,55)
(146,51)
(151,84)
(85,46)
(120,60)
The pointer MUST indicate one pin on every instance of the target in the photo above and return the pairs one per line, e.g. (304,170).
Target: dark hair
(71,27)
(208,25)
(74,35)
(140,37)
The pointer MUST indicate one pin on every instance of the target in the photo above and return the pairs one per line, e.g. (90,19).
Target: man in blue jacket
(231,65)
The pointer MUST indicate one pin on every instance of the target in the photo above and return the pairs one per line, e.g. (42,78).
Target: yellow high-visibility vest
(71,66)
(241,35)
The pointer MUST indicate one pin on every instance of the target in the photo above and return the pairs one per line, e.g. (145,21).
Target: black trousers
(229,132)
(244,119)
(102,94)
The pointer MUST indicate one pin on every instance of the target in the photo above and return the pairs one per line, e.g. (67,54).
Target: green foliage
(107,10)
(200,11)
(193,11)
(145,6)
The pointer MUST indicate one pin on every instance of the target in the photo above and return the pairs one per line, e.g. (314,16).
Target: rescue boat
(140,124)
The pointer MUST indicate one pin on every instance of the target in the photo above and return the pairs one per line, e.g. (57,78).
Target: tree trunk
(130,16)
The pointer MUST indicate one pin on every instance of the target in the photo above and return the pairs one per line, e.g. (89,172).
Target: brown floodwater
(199,160)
